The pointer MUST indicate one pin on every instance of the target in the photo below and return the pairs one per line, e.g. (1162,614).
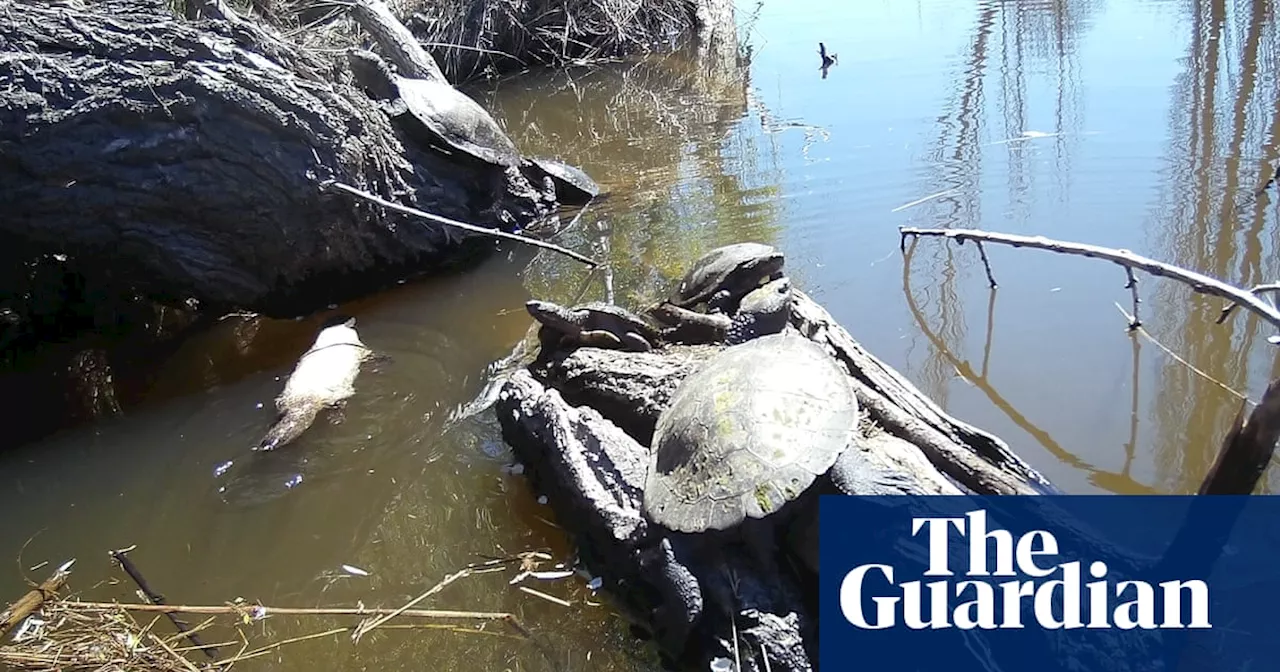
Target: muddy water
(1145,125)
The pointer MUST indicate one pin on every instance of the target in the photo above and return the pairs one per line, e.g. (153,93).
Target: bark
(177,160)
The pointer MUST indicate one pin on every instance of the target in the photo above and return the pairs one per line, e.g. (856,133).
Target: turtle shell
(719,266)
(458,121)
(568,177)
(747,433)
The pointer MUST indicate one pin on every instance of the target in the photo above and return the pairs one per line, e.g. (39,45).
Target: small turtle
(437,114)
(573,185)
(724,275)
(595,324)
(765,310)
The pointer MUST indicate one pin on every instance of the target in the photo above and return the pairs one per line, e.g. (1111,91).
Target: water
(1143,125)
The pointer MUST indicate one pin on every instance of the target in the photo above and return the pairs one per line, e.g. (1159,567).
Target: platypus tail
(288,426)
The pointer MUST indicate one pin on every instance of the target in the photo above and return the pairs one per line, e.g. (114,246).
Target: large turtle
(747,433)
(435,113)
(721,277)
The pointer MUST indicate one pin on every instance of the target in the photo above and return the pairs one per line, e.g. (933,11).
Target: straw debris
(68,635)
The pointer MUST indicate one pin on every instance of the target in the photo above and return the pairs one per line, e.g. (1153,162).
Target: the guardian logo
(1051,588)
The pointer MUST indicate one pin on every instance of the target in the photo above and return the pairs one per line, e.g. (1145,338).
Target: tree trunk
(179,160)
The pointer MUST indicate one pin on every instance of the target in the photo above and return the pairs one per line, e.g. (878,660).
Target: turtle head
(550,314)
(766,265)
(763,311)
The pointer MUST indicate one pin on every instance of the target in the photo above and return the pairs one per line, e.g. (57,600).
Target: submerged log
(179,160)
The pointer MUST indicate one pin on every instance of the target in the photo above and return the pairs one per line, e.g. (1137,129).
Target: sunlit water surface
(1142,125)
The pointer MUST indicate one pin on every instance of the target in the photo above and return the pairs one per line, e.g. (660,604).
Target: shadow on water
(1150,126)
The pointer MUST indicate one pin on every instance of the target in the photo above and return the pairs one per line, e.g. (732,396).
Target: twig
(292,611)
(1178,358)
(1131,284)
(1197,281)
(367,626)
(986,265)
(924,199)
(331,184)
(121,556)
(550,598)
(1256,289)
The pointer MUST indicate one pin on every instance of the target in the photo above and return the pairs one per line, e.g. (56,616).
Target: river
(1149,125)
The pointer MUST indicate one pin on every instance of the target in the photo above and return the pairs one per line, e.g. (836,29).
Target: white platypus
(324,377)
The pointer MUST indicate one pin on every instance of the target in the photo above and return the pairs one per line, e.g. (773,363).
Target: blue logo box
(1049,584)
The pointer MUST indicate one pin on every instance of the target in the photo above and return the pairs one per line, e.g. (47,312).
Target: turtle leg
(599,338)
(681,594)
(635,342)
(549,340)
(719,302)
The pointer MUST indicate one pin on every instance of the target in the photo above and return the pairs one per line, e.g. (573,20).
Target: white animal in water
(324,377)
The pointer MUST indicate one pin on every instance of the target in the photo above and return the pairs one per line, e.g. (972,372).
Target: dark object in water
(324,377)
(828,60)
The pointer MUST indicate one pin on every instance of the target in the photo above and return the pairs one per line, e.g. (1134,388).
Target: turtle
(597,324)
(436,113)
(724,275)
(744,435)
(747,433)
(764,310)
(573,185)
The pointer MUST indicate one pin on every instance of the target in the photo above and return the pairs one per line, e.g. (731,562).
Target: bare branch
(1256,289)
(1131,284)
(986,264)
(1198,282)
(330,184)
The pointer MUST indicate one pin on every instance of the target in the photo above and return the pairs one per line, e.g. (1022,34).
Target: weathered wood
(1198,282)
(629,388)
(396,41)
(182,160)
(975,458)
(1246,449)
(29,603)
(593,474)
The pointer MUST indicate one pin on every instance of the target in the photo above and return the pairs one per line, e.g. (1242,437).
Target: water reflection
(1221,149)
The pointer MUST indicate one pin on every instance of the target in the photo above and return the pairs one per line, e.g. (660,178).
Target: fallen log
(182,160)
(978,459)
(593,474)
(580,420)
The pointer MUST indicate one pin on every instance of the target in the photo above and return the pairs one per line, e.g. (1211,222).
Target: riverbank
(252,232)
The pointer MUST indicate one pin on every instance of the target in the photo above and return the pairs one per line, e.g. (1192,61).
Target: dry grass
(471,39)
(66,635)
(101,640)
(477,37)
